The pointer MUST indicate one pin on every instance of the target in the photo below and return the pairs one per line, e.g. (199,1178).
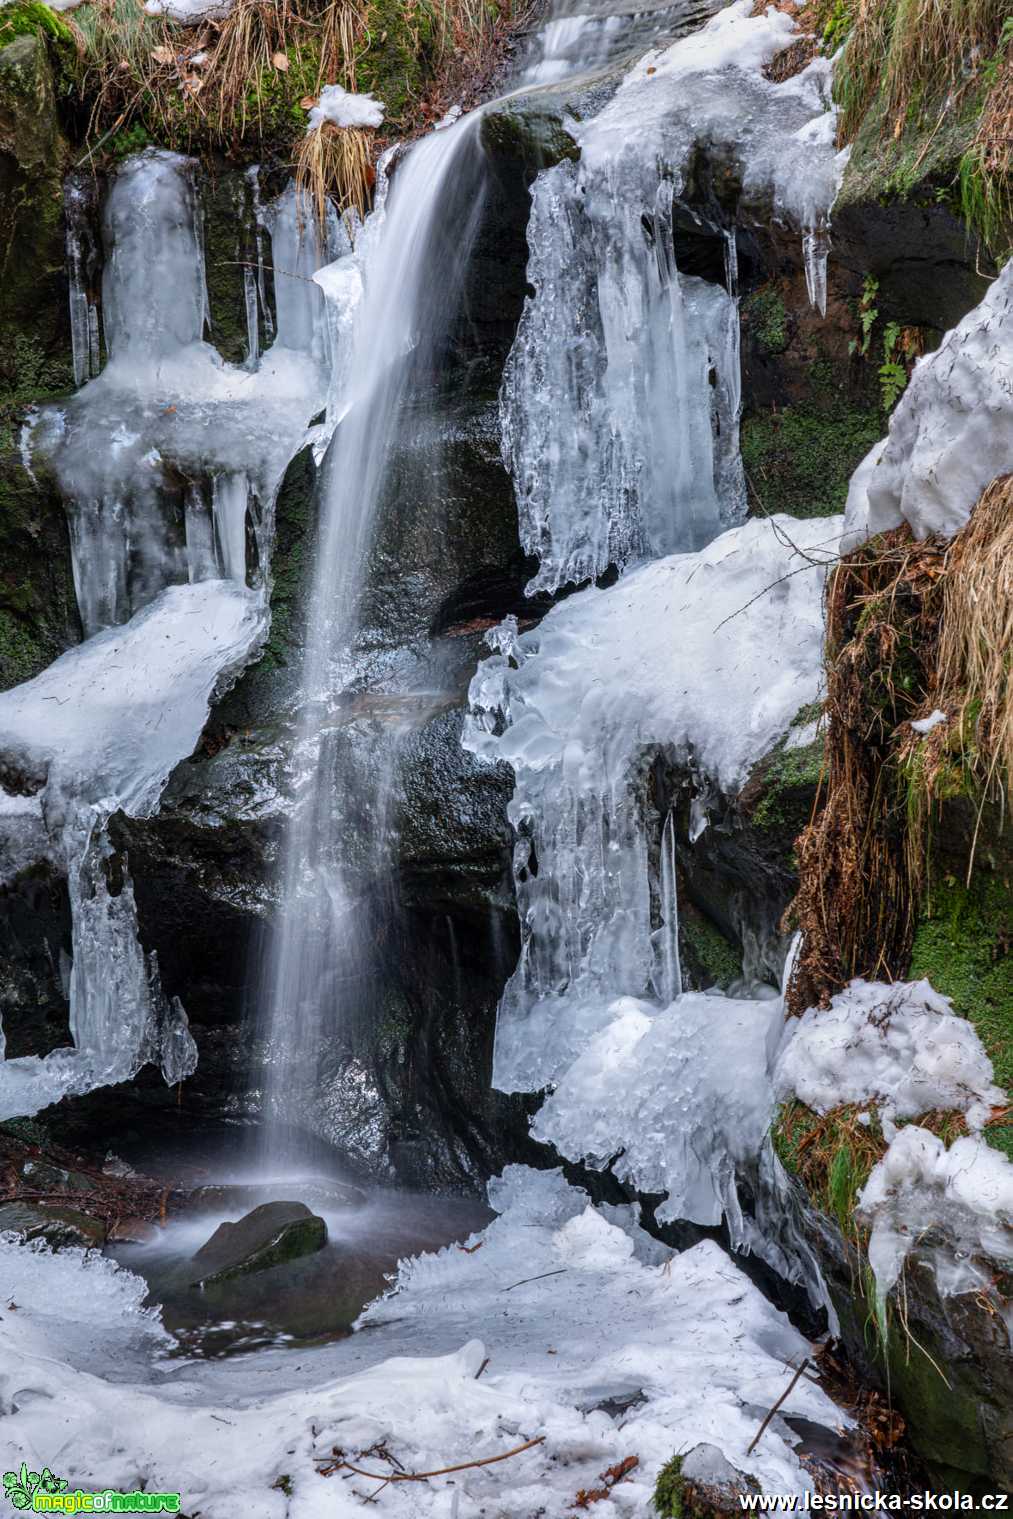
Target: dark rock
(38,614)
(270,1235)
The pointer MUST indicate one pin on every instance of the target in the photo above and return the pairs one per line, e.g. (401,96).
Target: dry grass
(855,905)
(914,47)
(976,643)
(911,628)
(335,165)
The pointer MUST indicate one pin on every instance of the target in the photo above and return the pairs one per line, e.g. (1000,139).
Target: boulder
(271,1235)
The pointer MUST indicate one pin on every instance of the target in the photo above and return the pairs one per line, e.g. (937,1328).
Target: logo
(42,1493)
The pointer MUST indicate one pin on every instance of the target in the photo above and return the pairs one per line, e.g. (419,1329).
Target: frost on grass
(899,1047)
(951,434)
(574,1328)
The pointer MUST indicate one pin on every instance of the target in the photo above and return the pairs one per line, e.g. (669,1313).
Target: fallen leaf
(280,61)
(308,102)
(652,70)
(162,55)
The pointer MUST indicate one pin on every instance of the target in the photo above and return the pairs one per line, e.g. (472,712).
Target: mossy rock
(528,133)
(708,958)
(800,460)
(272,1235)
(962,946)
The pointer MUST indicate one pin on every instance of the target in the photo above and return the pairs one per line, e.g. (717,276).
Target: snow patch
(342,108)
(951,434)
(900,1047)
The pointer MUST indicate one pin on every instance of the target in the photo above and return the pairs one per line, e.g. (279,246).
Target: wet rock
(271,1235)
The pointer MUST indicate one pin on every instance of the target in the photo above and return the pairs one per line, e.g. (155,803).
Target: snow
(343,109)
(692,1342)
(964,1192)
(924,725)
(951,434)
(97,731)
(900,1047)
(189,12)
(573,705)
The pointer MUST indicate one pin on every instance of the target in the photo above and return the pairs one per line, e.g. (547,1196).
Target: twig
(786,1394)
(442,1471)
(481,1368)
(525,1280)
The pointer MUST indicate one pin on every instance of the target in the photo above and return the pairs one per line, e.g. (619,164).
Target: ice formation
(653,1093)
(691,1347)
(573,705)
(342,108)
(950,435)
(169,461)
(899,1047)
(637,454)
(99,730)
(920,1188)
(165,457)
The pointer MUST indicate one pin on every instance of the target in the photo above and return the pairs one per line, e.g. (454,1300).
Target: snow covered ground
(594,1347)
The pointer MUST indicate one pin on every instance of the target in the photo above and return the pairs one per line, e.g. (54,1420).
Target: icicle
(668,972)
(200,542)
(81,265)
(815,252)
(229,500)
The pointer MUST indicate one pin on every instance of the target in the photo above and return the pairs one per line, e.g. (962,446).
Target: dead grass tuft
(335,164)
(911,628)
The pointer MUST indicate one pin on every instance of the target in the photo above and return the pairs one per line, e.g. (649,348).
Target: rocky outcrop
(38,614)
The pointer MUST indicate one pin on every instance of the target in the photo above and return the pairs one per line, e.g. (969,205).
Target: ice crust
(899,1047)
(707,656)
(679,1099)
(692,1342)
(951,433)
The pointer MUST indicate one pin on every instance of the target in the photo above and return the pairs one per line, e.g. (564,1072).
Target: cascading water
(393,303)
(169,461)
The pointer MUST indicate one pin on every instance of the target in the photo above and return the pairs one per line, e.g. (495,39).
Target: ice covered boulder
(951,434)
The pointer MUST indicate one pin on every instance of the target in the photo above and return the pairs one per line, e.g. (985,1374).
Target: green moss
(30,17)
(962,946)
(766,318)
(801,460)
(398,54)
(710,957)
(790,778)
(668,1490)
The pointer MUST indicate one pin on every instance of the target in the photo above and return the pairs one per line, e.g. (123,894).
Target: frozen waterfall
(169,461)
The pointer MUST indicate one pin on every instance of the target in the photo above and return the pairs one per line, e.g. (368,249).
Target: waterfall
(392,305)
(167,459)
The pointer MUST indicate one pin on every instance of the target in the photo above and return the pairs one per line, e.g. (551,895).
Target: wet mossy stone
(271,1235)
(529,133)
(59,1228)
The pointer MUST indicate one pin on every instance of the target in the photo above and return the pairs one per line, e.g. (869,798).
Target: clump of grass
(855,905)
(913,49)
(336,164)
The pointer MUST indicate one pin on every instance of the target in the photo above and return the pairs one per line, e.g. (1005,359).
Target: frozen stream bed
(599,1343)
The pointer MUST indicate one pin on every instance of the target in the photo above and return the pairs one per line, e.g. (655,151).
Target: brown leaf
(163,55)
(280,61)
(308,102)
